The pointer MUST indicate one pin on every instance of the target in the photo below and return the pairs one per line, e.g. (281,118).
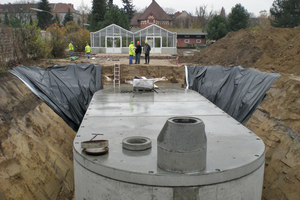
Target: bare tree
(202,16)
(263,14)
(84,10)
(263,18)
(253,21)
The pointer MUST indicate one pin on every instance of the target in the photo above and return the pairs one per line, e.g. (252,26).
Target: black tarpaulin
(68,89)
(237,90)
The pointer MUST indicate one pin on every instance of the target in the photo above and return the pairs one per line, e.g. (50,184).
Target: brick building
(154,14)
(190,37)
(180,23)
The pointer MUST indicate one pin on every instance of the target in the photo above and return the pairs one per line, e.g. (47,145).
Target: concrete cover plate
(233,150)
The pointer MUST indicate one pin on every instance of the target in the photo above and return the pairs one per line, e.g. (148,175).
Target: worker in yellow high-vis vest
(131,52)
(71,48)
(88,50)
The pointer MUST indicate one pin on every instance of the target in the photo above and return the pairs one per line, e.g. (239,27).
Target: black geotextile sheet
(67,89)
(236,90)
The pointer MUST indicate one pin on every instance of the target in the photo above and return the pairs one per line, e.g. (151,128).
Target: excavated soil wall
(36,160)
(277,122)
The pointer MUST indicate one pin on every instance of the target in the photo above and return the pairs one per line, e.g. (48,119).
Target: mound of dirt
(273,49)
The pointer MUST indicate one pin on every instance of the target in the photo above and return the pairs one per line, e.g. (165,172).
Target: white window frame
(198,41)
(187,41)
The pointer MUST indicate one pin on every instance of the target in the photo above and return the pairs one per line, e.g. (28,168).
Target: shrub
(70,27)
(80,39)
(37,47)
(58,41)
(75,33)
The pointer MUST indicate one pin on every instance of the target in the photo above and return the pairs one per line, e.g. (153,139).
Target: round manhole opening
(184,120)
(136,140)
(136,143)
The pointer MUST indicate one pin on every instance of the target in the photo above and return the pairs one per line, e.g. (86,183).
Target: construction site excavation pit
(222,158)
(44,168)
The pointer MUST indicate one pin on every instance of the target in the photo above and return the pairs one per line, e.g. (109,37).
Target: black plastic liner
(237,90)
(67,90)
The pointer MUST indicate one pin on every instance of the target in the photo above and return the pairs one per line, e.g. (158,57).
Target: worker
(138,52)
(88,50)
(131,52)
(147,50)
(71,48)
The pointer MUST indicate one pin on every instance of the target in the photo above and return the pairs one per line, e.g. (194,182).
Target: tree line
(282,13)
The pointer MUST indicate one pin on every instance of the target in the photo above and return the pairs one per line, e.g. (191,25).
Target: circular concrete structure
(234,155)
(136,143)
(181,145)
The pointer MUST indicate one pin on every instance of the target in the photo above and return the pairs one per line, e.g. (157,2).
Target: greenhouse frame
(115,39)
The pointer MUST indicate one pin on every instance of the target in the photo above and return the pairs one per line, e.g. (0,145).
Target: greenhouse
(115,39)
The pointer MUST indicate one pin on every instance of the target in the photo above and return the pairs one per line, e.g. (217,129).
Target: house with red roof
(180,23)
(61,9)
(154,14)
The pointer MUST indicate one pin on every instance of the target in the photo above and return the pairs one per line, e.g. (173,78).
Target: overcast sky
(252,6)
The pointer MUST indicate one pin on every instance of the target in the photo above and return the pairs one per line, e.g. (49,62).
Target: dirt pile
(270,49)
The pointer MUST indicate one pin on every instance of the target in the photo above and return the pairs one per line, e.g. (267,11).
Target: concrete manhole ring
(136,143)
